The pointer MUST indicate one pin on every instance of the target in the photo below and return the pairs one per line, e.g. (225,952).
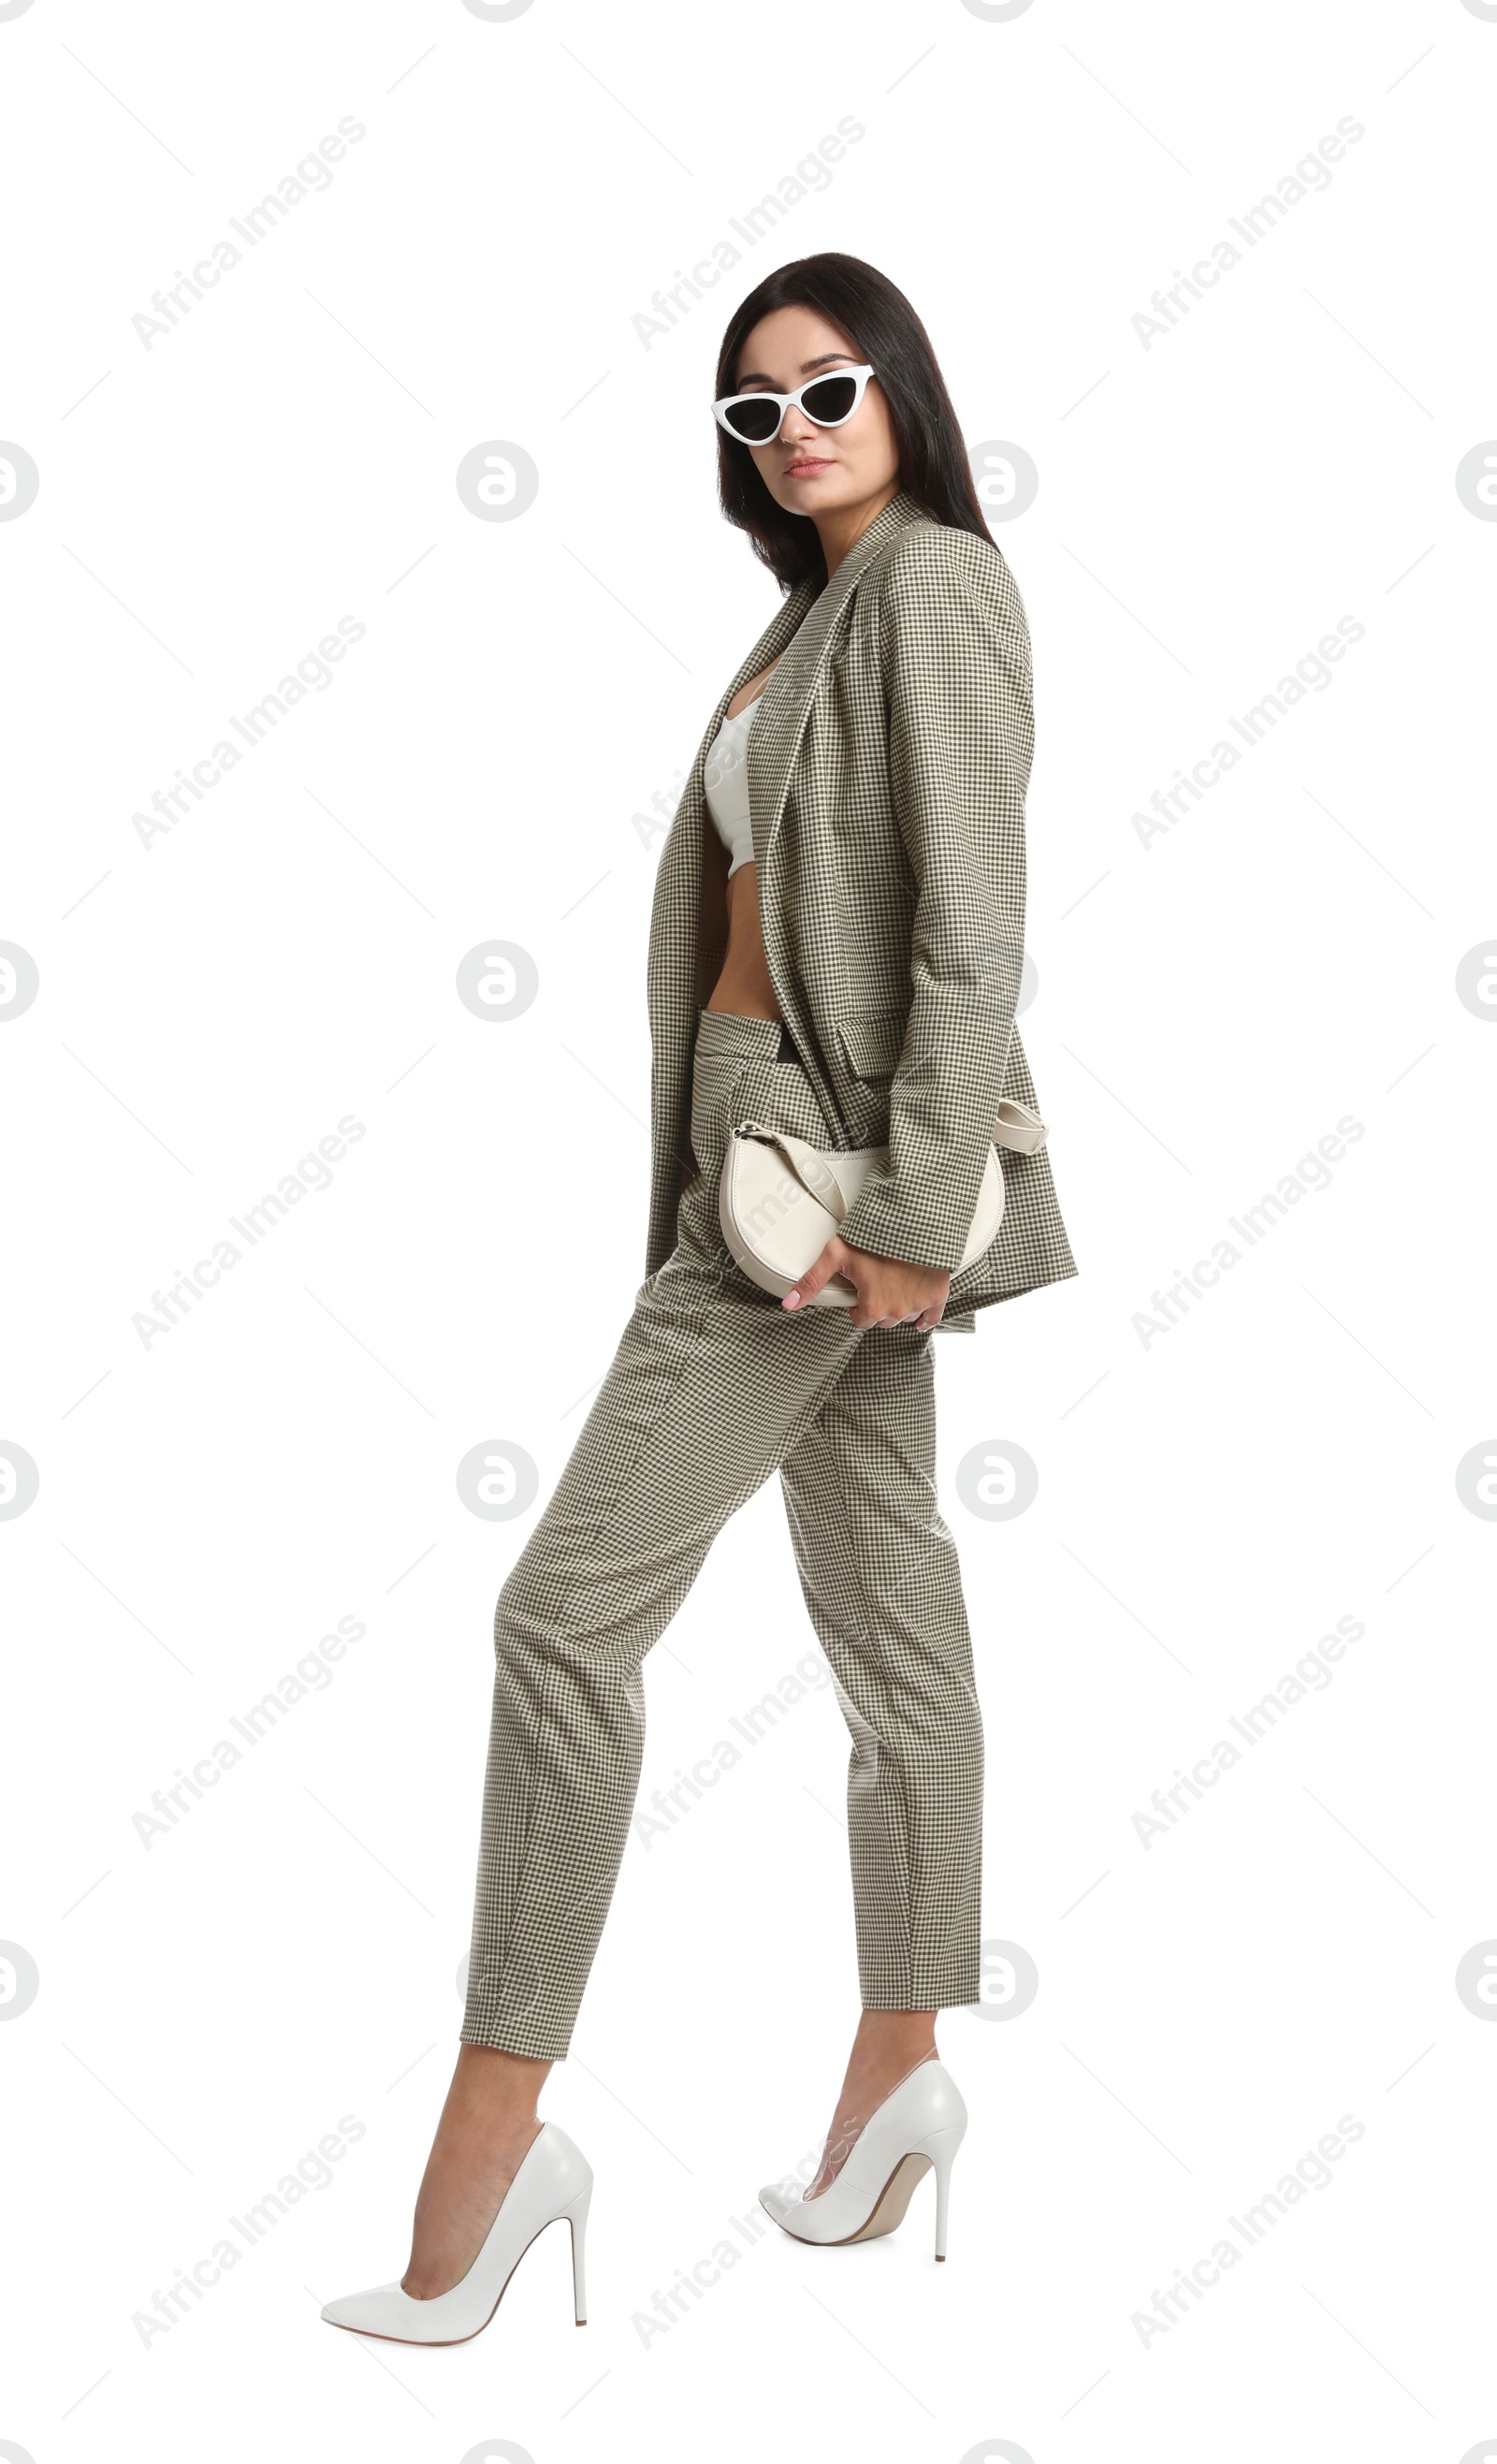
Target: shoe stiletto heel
(942,2148)
(917,2129)
(553,2180)
(577,2218)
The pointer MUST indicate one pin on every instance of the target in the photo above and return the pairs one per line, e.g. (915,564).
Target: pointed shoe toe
(806,2219)
(383,2310)
(777,2200)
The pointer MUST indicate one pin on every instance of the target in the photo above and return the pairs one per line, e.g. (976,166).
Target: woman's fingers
(819,1273)
(881,1286)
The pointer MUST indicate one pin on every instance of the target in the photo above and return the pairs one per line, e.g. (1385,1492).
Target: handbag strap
(1018,1128)
(812,1169)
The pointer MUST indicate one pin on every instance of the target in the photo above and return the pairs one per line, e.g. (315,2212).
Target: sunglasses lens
(831,399)
(753,419)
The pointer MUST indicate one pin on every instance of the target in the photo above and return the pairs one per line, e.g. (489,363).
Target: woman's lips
(806,468)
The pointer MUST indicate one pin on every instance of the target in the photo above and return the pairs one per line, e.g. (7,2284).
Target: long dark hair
(884,329)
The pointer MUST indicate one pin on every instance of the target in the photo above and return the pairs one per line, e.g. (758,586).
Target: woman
(835,950)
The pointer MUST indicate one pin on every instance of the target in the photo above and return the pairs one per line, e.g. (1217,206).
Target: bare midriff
(743,985)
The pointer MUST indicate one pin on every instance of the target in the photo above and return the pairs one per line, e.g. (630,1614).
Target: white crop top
(725,779)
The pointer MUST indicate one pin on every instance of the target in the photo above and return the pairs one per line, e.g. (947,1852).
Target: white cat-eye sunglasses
(757,418)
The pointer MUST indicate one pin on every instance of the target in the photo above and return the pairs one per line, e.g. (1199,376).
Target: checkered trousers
(712,1387)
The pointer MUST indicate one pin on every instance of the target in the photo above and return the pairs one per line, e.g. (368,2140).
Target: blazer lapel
(691,921)
(775,737)
(688,931)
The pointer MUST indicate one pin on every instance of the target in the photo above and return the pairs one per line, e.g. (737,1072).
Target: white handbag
(780,1200)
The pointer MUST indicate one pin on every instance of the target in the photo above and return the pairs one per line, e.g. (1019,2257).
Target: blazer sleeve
(954,655)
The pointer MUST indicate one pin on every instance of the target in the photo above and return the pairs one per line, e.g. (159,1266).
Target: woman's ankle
(893,2041)
(490,2086)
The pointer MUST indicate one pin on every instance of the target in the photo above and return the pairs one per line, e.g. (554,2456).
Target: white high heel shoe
(918,2126)
(553,2180)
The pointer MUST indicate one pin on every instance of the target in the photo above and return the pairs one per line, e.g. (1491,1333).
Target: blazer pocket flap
(871,1040)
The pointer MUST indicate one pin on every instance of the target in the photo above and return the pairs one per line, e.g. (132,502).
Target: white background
(1208,1006)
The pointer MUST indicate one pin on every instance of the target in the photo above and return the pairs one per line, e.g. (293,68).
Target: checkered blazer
(887,765)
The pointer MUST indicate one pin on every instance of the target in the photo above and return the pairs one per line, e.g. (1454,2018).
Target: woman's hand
(889,1293)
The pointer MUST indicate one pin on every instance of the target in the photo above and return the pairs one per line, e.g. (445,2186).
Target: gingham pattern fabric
(887,768)
(712,1387)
